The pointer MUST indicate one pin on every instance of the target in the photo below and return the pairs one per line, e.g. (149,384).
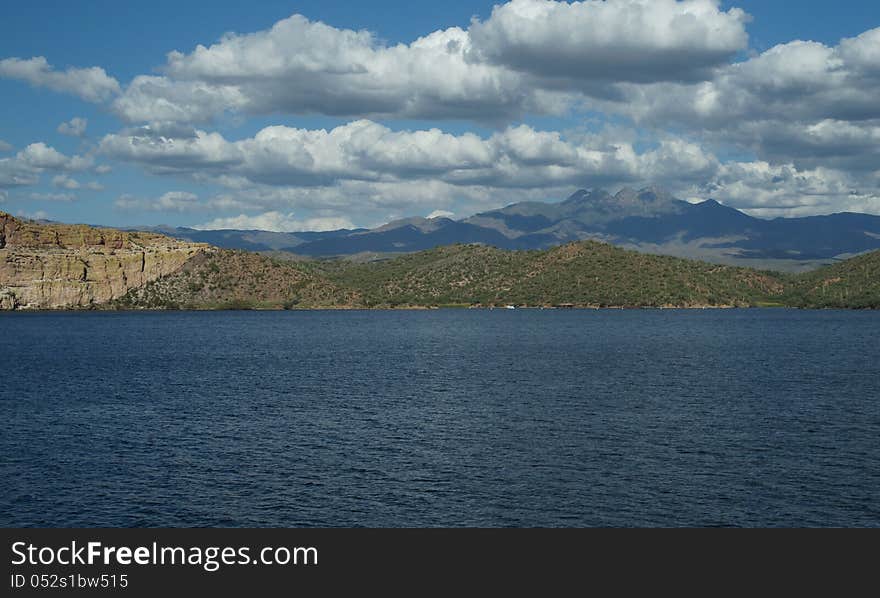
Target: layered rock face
(59,266)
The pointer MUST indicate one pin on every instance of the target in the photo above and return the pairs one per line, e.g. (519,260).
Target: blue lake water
(441,418)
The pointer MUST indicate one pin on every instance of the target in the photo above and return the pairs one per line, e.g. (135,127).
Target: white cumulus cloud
(801,102)
(25,167)
(529,56)
(302,66)
(276,222)
(62,181)
(367,151)
(172,201)
(613,41)
(52,196)
(75,127)
(92,84)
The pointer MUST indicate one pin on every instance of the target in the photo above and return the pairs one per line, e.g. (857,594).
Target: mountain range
(649,220)
(64,266)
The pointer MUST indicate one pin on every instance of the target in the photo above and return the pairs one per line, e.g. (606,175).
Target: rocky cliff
(59,266)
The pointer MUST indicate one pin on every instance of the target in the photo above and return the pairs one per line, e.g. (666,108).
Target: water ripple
(443,418)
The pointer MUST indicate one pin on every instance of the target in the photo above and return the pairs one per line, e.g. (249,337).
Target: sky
(308,115)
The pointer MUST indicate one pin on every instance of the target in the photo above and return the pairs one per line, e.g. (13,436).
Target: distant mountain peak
(656,193)
(416,222)
(584,195)
(714,204)
(652,194)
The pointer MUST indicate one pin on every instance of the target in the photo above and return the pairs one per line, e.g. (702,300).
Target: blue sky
(314,125)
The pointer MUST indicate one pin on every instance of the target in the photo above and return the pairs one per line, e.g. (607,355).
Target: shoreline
(101,309)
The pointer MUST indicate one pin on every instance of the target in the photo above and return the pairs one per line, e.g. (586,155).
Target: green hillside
(854,283)
(585,274)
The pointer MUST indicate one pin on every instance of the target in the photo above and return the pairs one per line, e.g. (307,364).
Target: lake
(762,417)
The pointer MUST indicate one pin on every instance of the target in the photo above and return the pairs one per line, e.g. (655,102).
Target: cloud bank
(647,91)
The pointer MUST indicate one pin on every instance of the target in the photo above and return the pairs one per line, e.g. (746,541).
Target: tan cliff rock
(60,266)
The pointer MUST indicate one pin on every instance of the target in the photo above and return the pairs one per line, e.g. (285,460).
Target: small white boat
(509,307)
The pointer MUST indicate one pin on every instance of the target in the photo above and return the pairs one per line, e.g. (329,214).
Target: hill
(854,283)
(580,274)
